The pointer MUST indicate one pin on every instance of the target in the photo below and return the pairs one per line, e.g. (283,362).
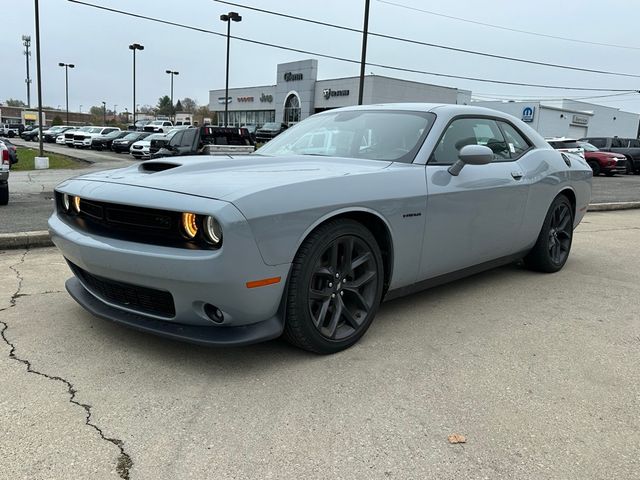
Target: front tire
(595,167)
(335,287)
(552,248)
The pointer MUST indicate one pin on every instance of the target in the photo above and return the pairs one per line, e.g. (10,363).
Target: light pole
(231,16)
(80,108)
(104,113)
(115,112)
(172,73)
(26,41)
(133,47)
(363,59)
(66,66)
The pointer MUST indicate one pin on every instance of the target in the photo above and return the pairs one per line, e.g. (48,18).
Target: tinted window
(598,142)
(176,138)
(188,137)
(564,144)
(470,131)
(619,143)
(634,143)
(516,142)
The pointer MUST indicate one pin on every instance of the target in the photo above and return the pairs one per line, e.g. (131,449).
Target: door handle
(516,175)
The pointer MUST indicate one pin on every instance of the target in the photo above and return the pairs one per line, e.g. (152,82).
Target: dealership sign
(292,77)
(221,100)
(327,93)
(580,120)
(245,99)
(528,113)
(266,98)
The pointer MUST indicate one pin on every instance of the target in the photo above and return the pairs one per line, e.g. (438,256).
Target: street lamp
(104,113)
(66,66)
(231,16)
(80,108)
(172,73)
(133,47)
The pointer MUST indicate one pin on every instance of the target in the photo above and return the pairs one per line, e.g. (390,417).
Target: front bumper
(194,278)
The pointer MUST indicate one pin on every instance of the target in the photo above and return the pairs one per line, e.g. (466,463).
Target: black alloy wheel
(595,166)
(552,248)
(335,287)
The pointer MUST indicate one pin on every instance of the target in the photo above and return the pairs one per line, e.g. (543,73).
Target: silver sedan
(308,235)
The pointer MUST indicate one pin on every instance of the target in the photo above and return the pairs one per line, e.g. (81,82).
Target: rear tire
(595,167)
(4,194)
(335,287)
(552,248)
(630,169)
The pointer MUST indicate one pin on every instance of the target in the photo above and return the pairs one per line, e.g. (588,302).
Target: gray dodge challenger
(307,236)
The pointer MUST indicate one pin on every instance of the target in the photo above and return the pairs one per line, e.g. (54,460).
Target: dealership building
(571,118)
(298,94)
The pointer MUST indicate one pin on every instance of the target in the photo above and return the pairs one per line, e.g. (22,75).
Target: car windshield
(371,134)
(131,136)
(271,126)
(588,147)
(156,122)
(95,130)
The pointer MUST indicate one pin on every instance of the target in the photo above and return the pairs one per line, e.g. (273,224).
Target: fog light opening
(214,313)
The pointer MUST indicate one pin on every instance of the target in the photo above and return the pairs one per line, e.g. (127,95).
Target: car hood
(228,178)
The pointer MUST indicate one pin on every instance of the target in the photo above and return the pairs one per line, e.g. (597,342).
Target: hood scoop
(152,167)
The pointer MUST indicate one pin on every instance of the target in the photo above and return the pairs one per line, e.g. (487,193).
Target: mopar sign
(528,113)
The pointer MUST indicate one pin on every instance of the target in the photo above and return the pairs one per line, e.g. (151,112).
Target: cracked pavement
(538,372)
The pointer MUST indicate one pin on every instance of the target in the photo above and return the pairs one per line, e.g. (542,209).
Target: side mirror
(471,155)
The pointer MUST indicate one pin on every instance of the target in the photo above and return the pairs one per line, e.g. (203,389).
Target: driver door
(474,217)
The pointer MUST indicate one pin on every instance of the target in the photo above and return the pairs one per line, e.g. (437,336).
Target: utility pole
(363,59)
(39,77)
(26,41)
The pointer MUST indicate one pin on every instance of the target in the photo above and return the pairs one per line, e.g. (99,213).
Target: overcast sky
(96,42)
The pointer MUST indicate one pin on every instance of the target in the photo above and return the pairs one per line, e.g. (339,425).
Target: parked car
(231,251)
(138,126)
(204,141)
(140,149)
(11,130)
(567,145)
(51,134)
(603,162)
(60,140)
(629,147)
(13,151)
(31,135)
(158,126)
(103,142)
(5,167)
(69,134)
(123,144)
(85,139)
(269,131)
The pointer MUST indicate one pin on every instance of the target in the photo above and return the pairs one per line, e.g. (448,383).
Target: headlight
(212,230)
(189,225)
(65,202)
(76,204)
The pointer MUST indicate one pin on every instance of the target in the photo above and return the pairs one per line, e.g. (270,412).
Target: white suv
(84,139)
(158,126)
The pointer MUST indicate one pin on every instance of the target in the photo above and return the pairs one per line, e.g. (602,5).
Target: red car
(603,162)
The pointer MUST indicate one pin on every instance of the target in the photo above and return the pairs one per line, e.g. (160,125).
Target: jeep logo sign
(266,98)
(528,113)
(292,77)
(327,93)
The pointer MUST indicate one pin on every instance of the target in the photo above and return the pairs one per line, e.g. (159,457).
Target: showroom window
(292,109)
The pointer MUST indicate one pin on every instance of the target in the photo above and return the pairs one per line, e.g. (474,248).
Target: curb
(41,238)
(609,207)
(25,240)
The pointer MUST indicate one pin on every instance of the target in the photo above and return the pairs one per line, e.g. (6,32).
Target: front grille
(78,137)
(68,136)
(134,297)
(130,223)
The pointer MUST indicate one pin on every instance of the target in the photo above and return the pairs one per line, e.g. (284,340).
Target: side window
(166,124)
(188,137)
(634,143)
(619,143)
(516,142)
(598,142)
(470,131)
(176,139)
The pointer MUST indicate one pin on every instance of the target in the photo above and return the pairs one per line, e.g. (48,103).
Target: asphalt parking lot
(538,372)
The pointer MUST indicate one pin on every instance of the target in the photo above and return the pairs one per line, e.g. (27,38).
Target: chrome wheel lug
(330,285)
(341,293)
(337,275)
(333,295)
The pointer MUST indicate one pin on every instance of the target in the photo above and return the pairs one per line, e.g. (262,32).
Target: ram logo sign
(327,93)
(528,113)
